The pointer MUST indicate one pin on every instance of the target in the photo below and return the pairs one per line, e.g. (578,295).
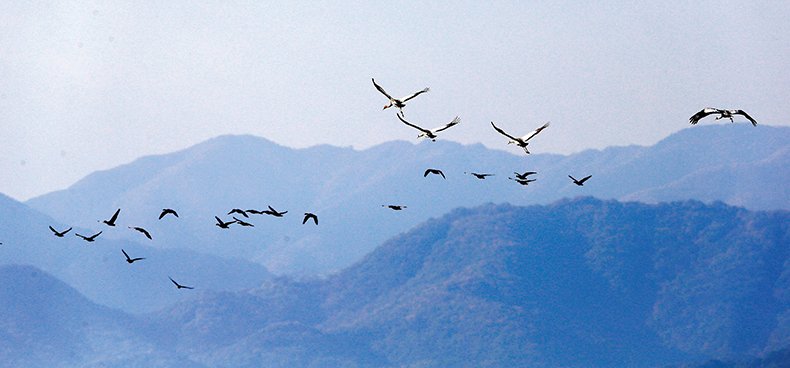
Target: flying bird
(433,171)
(430,133)
(522,181)
(179,285)
(479,176)
(89,239)
(524,175)
(723,114)
(523,141)
(242,223)
(130,260)
(221,224)
(308,216)
(59,234)
(394,207)
(165,211)
(236,210)
(274,212)
(111,221)
(580,182)
(147,235)
(399,103)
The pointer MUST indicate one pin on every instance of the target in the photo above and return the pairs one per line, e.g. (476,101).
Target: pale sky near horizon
(90,85)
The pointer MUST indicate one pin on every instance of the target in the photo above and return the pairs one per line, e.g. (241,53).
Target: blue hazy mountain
(734,163)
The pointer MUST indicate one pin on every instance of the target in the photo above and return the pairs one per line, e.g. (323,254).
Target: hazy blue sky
(89,85)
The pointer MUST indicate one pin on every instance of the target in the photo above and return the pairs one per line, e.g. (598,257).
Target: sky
(90,85)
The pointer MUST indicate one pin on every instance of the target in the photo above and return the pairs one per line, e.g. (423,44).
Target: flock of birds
(521,178)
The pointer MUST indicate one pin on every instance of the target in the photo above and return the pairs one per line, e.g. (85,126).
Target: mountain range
(738,164)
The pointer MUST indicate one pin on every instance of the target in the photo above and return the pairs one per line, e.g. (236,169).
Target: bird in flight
(580,182)
(111,221)
(432,132)
(89,238)
(308,216)
(147,235)
(479,176)
(723,114)
(394,207)
(522,181)
(523,141)
(236,210)
(274,212)
(179,285)
(242,223)
(222,224)
(433,171)
(524,175)
(399,103)
(59,234)
(130,260)
(165,211)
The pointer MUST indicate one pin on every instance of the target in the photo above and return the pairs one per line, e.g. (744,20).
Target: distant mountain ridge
(735,163)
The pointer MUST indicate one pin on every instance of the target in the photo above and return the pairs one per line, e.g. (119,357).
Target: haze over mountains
(734,163)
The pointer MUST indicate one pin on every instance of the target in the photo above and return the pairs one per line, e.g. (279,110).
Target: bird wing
(503,132)
(441,173)
(741,112)
(585,178)
(412,125)
(164,212)
(378,87)
(147,235)
(56,232)
(415,94)
(124,253)
(572,178)
(95,235)
(535,132)
(454,122)
(64,233)
(115,216)
(174,281)
(218,220)
(694,119)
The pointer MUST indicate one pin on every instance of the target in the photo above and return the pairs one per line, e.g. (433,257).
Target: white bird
(723,114)
(399,103)
(430,133)
(521,142)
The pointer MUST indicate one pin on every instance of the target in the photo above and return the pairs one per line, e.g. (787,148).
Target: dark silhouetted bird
(242,223)
(723,114)
(580,182)
(147,235)
(111,221)
(274,212)
(179,285)
(59,234)
(399,103)
(255,212)
(222,224)
(130,260)
(236,210)
(165,211)
(433,171)
(394,207)
(524,175)
(523,141)
(431,134)
(479,176)
(308,216)
(89,238)
(522,181)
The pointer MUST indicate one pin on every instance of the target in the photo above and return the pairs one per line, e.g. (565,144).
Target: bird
(430,133)
(236,210)
(111,221)
(147,235)
(222,224)
(59,234)
(89,239)
(524,175)
(130,260)
(580,182)
(521,142)
(399,103)
(165,211)
(433,171)
(242,223)
(179,285)
(255,212)
(723,114)
(307,216)
(522,181)
(394,207)
(479,176)
(274,212)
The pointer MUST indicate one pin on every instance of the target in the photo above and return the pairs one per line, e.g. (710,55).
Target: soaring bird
(59,234)
(147,235)
(524,175)
(580,182)
(221,224)
(274,212)
(521,142)
(394,207)
(430,133)
(308,216)
(236,210)
(165,211)
(111,221)
(723,114)
(130,260)
(89,239)
(399,103)
(522,181)
(179,285)
(479,176)
(255,212)
(242,223)
(433,171)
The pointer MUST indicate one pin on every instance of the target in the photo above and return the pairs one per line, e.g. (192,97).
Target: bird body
(61,233)
(522,181)
(111,221)
(580,182)
(433,171)
(399,103)
(479,176)
(430,133)
(308,216)
(523,141)
(89,239)
(394,207)
(723,114)
(524,175)
(166,211)
(130,260)
(147,235)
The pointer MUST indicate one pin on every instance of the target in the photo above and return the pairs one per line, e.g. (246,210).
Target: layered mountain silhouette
(734,163)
